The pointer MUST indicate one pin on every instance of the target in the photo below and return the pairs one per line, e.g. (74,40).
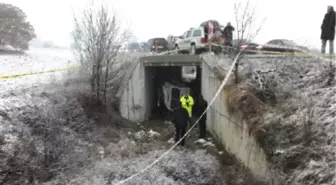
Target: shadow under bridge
(141,90)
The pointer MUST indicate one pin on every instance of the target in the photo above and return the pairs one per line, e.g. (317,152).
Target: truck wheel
(192,50)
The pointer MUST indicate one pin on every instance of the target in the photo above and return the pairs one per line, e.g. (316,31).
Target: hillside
(289,105)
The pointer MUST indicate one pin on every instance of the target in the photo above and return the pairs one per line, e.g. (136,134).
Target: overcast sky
(298,20)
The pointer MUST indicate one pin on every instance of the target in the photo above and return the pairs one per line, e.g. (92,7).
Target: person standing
(228,34)
(328,30)
(180,120)
(187,102)
(203,104)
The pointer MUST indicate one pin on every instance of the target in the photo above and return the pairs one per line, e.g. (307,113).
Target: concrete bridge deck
(171,60)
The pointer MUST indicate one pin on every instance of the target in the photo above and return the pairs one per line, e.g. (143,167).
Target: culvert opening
(164,84)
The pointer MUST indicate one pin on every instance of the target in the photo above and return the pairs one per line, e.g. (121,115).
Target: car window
(160,41)
(188,34)
(185,34)
(289,43)
(280,42)
(273,42)
(150,42)
(197,33)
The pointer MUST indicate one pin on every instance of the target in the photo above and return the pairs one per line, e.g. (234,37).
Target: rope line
(170,149)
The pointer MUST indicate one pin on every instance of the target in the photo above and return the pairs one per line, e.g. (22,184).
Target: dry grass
(290,105)
(243,100)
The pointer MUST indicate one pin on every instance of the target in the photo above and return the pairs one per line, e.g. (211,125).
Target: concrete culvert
(143,100)
(85,143)
(154,82)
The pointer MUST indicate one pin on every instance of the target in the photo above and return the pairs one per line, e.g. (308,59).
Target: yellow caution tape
(40,72)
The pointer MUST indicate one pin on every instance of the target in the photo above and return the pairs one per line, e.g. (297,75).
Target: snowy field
(34,60)
(19,92)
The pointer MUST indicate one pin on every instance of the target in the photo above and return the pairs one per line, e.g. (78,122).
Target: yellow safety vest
(190,101)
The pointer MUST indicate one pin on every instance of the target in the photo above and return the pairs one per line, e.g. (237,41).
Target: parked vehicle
(192,41)
(248,46)
(172,40)
(283,45)
(195,41)
(157,45)
(198,39)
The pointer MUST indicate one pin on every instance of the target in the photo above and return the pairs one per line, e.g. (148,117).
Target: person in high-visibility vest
(187,102)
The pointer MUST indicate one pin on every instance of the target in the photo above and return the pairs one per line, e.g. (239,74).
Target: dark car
(157,45)
(248,46)
(283,45)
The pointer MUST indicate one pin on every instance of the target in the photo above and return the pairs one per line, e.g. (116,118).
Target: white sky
(299,20)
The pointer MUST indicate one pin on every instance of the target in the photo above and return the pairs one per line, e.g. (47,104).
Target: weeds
(296,128)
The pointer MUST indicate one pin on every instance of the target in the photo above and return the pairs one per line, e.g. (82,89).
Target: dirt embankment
(289,106)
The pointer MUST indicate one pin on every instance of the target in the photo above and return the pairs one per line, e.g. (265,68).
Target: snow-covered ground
(49,134)
(291,110)
(19,92)
(35,60)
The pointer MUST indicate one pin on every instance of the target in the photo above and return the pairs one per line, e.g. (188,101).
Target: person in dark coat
(202,123)
(228,34)
(180,120)
(328,30)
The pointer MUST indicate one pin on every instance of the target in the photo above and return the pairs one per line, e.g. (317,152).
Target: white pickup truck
(172,40)
(195,40)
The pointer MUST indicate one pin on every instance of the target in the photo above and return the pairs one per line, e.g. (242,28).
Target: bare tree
(245,19)
(97,38)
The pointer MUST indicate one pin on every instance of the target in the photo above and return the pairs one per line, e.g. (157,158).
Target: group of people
(328,30)
(182,114)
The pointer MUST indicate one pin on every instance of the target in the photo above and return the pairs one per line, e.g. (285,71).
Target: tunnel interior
(164,86)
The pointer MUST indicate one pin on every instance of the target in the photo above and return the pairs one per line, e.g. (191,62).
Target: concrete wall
(229,129)
(150,91)
(133,100)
